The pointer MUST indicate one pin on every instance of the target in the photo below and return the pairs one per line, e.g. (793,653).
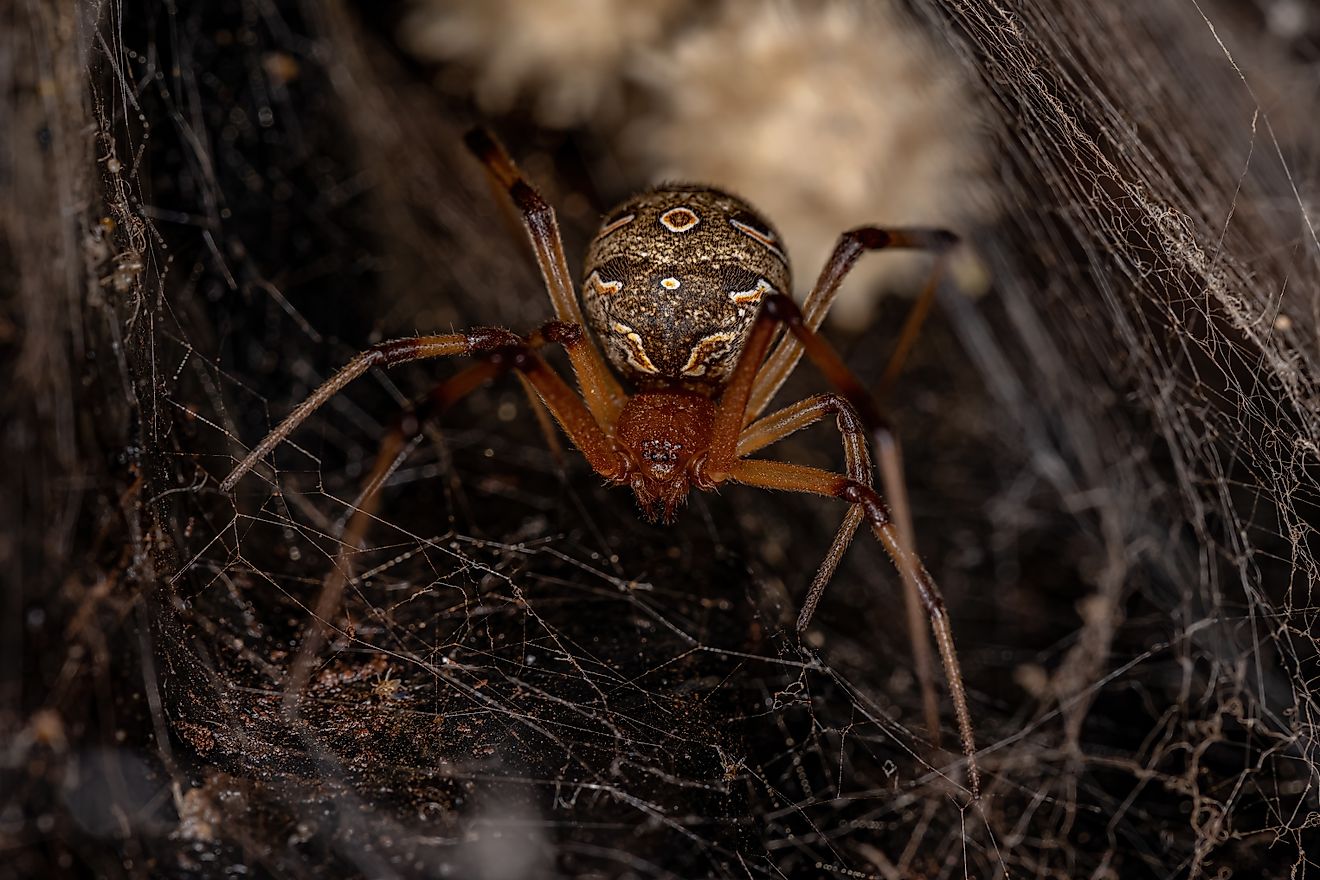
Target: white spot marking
(598,285)
(699,360)
(744,297)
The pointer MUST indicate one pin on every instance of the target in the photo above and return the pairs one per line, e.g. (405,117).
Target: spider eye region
(661,456)
(661,434)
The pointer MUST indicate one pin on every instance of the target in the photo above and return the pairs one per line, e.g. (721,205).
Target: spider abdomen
(673,283)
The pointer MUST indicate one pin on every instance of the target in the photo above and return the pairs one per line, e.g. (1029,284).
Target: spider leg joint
(781,307)
(856,493)
(564,333)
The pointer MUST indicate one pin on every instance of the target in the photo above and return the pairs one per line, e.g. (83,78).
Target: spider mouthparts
(660,500)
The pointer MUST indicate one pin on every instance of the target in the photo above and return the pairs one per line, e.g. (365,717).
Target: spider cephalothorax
(659,434)
(686,289)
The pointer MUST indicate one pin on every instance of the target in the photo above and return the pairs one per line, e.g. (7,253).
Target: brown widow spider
(685,289)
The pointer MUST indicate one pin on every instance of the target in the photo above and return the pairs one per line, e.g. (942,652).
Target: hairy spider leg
(384,354)
(724,462)
(851,245)
(408,427)
(857,464)
(781,363)
(393,450)
(601,391)
(890,455)
(785,476)
(778,425)
(411,423)
(504,348)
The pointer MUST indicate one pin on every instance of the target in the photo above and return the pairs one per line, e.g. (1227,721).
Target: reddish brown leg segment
(433,405)
(510,351)
(805,413)
(385,354)
(729,418)
(852,244)
(601,391)
(725,450)
(502,351)
(799,478)
(827,360)
(857,464)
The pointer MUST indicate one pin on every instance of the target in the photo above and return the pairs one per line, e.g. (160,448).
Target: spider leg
(907,338)
(799,478)
(412,421)
(852,244)
(407,427)
(499,346)
(601,391)
(857,463)
(393,450)
(890,454)
(384,354)
(780,309)
(502,351)
(545,421)
(729,417)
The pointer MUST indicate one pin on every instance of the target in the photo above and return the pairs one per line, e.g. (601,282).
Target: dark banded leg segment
(501,351)
(857,464)
(788,477)
(503,348)
(601,391)
(385,354)
(852,244)
(823,355)
(411,423)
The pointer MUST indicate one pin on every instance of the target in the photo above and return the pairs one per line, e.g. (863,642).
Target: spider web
(1112,461)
